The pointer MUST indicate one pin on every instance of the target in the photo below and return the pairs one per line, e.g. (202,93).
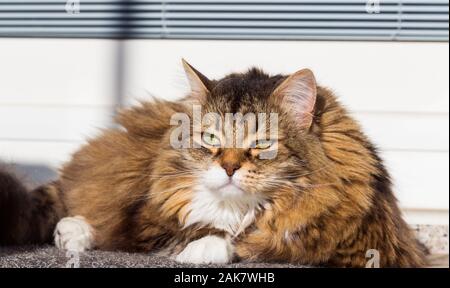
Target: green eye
(211,139)
(263,144)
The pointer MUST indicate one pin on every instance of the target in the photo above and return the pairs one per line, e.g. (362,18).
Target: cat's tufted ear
(297,96)
(199,83)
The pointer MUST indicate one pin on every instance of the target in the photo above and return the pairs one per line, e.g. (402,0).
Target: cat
(325,199)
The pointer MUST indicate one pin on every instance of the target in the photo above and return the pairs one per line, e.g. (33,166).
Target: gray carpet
(50,257)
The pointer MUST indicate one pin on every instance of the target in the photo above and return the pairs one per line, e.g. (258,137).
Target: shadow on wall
(33,175)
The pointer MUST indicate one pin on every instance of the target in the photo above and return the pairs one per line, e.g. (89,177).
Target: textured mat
(50,257)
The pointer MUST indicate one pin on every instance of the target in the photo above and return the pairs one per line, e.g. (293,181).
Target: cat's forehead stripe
(243,92)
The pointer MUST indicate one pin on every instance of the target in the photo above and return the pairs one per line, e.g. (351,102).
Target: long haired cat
(324,199)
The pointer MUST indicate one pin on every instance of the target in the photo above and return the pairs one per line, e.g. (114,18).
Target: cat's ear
(199,83)
(297,96)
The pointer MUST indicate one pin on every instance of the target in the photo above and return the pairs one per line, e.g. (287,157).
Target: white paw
(207,250)
(73,234)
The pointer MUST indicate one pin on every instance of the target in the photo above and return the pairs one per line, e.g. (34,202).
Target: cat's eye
(263,144)
(211,139)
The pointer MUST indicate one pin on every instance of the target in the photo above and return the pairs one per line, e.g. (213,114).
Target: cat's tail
(28,217)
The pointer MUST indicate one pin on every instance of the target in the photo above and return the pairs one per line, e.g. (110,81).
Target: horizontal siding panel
(85,7)
(283,1)
(46,153)
(408,2)
(200,7)
(302,16)
(240,19)
(61,14)
(407,131)
(40,30)
(80,30)
(292,31)
(420,178)
(293,37)
(222,33)
(426,216)
(390,131)
(274,15)
(288,24)
(157,16)
(52,123)
(223,23)
(59,72)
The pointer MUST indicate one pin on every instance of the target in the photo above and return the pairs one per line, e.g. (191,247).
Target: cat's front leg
(210,249)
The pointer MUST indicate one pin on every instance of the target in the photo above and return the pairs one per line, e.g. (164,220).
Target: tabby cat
(325,199)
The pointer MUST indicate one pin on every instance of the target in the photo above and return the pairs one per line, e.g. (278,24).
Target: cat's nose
(231,167)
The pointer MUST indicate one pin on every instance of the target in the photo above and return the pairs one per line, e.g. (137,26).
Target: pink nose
(230,168)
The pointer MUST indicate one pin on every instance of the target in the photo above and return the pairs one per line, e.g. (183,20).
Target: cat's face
(234,172)
(237,161)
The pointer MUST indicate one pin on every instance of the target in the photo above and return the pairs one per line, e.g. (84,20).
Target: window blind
(390,20)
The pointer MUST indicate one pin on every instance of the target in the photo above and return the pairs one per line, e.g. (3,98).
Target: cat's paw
(73,234)
(207,250)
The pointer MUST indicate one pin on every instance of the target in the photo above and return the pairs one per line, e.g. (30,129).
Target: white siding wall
(55,93)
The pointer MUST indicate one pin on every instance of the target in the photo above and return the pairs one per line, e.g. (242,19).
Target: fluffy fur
(324,200)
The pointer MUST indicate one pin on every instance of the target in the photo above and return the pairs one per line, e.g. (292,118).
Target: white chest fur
(231,214)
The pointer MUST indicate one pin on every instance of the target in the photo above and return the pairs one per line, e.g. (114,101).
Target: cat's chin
(229,191)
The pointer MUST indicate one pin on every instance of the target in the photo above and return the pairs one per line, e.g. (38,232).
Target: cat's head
(250,162)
